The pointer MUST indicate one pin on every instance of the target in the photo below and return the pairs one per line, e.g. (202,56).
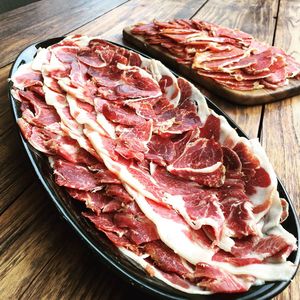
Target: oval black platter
(102,247)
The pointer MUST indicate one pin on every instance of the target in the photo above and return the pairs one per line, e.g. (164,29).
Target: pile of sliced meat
(167,180)
(231,57)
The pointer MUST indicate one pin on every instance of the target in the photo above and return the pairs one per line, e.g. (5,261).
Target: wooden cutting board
(241,97)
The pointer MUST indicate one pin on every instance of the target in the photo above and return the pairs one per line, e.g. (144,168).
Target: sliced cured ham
(80,177)
(231,57)
(167,180)
(202,162)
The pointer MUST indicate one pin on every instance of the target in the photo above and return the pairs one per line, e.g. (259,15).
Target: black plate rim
(114,265)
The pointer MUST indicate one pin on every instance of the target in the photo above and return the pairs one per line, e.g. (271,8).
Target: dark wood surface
(40,256)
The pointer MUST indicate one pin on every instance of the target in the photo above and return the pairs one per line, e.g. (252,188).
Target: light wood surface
(40,256)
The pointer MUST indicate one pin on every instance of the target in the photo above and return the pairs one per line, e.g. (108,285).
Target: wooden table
(41,257)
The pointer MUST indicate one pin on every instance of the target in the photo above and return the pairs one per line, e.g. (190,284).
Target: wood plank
(22,261)
(5,113)
(15,171)
(281,123)
(46,18)
(75,273)
(110,26)
(21,214)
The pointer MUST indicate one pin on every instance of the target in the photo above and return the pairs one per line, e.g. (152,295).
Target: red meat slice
(118,191)
(122,115)
(161,150)
(109,76)
(66,54)
(36,136)
(211,129)
(174,185)
(78,73)
(136,85)
(211,56)
(236,261)
(180,141)
(262,61)
(104,223)
(201,161)
(165,258)
(149,29)
(134,59)
(216,65)
(231,160)
(219,281)
(254,175)
(240,85)
(237,210)
(185,101)
(140,229)
(175,279)
(27,77)
(201,206)
(96,201)
(38,112)
(131,85)
(278,71)
(272,247)
(132,142)
(79,177)
(50,143)
(90,58)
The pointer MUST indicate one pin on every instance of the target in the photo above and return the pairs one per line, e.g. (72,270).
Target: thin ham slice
(80,177)
(201,161)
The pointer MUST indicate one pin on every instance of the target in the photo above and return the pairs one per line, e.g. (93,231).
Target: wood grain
(46,18)
(5,114)
(22,213)
(15,171)
(134,11)
(281,123)
(30,252)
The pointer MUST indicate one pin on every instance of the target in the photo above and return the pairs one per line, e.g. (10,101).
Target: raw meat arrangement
(164,177)
(230,57)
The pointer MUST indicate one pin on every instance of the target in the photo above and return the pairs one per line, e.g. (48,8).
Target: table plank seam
(261,120)
(201,6)
(276,23)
